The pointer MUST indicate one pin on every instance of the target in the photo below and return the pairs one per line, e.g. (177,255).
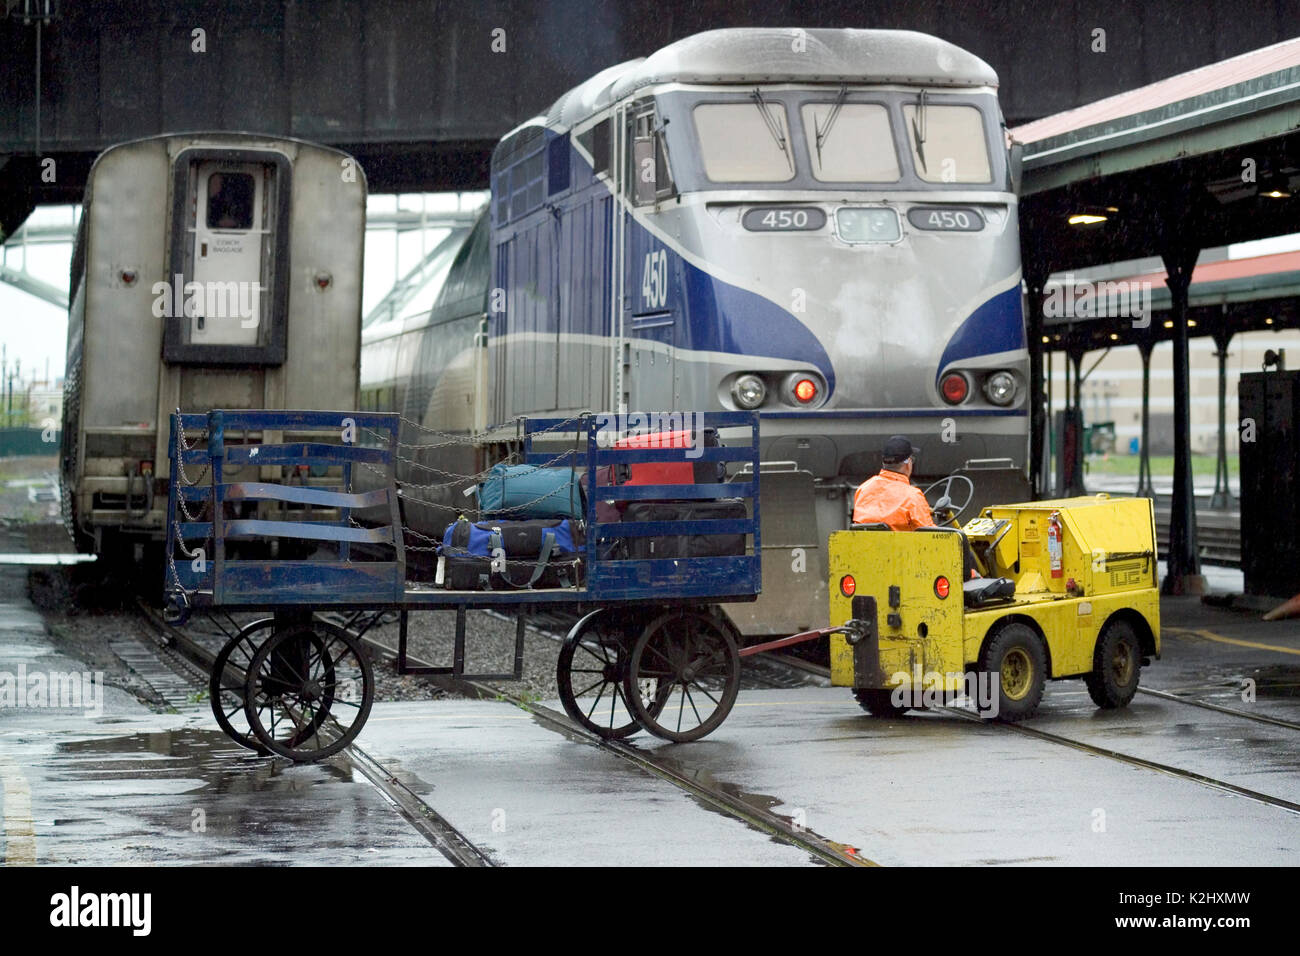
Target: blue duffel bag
(519,539)
(537,552)
(527,491)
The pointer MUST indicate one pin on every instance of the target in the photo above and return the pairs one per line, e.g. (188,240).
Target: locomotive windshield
(744,142)
(824,138)
(850,142)
(947,143)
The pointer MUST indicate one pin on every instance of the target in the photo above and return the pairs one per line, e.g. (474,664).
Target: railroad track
(757,672)
(440,833)
(822,849)
(459,849)
(1129,759)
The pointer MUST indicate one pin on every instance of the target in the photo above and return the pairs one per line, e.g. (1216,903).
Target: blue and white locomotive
(818,224)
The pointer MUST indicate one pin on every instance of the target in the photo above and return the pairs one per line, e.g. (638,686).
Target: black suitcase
(466,573)
(686,545)
(475,574)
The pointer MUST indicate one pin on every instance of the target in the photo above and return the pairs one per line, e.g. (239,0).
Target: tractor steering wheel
(944,498)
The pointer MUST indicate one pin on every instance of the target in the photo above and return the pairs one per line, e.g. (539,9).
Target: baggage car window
(850,142)
(948,143)
(230,200)
(744,142)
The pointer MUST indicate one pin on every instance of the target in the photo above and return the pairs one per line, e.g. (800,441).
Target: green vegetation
(1161,465)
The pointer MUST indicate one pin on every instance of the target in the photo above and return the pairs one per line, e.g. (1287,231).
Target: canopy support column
(1222,497)
(1184,564)
(1145,488)
(1035,280)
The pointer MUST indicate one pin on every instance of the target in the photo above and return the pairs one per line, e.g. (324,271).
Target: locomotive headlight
(749,391)
(1000,388)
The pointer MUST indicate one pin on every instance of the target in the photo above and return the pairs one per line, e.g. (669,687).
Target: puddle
(1277,680)
(208,757)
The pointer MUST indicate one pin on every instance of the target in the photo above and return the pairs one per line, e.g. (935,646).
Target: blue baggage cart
(263,516)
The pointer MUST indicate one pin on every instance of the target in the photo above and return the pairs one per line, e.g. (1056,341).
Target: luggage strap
(548,544)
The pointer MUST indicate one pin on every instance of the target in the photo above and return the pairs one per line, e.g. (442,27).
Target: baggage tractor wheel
(879,703)
(683,675)
(228,680)
(309,691)
(1116,666)
(593,660)
(1016,657)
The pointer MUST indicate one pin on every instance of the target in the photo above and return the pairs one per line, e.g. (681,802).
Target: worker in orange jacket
(890,497)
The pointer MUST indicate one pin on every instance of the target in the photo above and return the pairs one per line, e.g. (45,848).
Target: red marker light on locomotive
(805,390)
(941,586)
(848,586)
(954,388)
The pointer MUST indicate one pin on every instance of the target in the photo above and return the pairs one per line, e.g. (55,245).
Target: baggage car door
(229,236)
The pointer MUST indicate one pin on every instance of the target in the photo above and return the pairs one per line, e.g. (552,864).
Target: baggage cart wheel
(683,675)
(227,681)
(594,658)
(309,691)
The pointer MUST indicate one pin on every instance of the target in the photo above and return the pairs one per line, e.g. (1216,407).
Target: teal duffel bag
(527,491)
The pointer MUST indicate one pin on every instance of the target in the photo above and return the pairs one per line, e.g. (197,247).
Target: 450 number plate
(783,218)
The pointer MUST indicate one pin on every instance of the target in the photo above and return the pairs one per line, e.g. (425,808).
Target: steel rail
(824,850)
(430,824)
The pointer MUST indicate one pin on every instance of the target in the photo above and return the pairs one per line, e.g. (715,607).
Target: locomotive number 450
(654,280)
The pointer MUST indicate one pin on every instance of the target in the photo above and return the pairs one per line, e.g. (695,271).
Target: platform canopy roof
(1205,158)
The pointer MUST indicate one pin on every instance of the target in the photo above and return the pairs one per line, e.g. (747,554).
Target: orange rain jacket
(891,498)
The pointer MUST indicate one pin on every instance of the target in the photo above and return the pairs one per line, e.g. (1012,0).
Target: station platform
(1168,780)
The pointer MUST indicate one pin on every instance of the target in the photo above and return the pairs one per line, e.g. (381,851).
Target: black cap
(898,449)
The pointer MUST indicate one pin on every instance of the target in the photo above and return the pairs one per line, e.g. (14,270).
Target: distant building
(1113,391)
(44,402)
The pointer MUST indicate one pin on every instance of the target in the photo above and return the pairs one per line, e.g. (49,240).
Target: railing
(616,579)
(192,568)
(223,556)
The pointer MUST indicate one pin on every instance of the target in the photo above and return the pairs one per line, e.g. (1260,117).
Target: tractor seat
(981,592)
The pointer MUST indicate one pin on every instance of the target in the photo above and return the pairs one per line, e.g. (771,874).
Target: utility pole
(8,384)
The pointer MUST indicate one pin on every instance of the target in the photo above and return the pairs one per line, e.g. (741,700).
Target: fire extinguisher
(1054,543)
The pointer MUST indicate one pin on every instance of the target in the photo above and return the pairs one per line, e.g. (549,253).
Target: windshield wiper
(824,132)
(772,127)
(918,132)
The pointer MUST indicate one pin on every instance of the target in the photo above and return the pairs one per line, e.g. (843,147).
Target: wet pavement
(116,780)
(531,795)
(113,781)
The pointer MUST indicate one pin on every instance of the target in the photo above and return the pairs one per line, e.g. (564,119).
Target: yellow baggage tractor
(1066,588)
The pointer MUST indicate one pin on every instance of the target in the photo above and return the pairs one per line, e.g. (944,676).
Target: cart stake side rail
(206,531)
(284,536)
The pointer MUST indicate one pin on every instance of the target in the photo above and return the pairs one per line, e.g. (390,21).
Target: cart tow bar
(854,629)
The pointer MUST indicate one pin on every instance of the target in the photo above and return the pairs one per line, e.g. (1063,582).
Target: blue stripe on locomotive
(996,326)
(719,316)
